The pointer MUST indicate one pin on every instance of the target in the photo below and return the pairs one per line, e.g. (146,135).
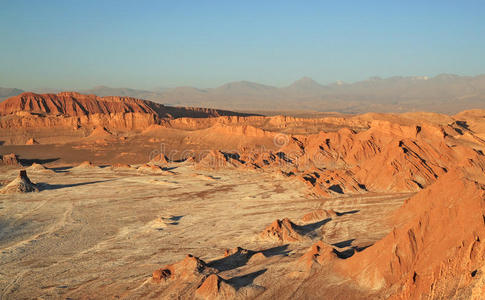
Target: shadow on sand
(28,162)
(45,186)
(346,253)
(242,256)
(245,280)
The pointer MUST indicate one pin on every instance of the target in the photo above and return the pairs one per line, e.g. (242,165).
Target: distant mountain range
(445,93)
(9,92)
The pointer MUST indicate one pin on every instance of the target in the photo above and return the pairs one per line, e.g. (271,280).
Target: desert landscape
(127,198)
(244,150)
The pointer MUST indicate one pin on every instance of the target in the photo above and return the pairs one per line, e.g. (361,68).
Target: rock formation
(151,169)
(159,159)
(35,167)
(282,231)
(219,159)
(190,269)
(21,184)
(9,160)
(318,215)
(31,141)
(214,287)
(319,253)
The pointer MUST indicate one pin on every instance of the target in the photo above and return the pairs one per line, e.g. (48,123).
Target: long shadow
(344,244)
(350,212)
(278,250)
(234,261)
(25,161)
(313,226)
(169,168)
(344,254)
(61,169)
(45,186)
(175,218)
(242,256)
(245,280)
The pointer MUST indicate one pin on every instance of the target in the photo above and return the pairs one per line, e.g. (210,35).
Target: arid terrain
(127,198)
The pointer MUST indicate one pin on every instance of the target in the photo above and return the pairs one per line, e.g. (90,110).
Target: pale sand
(99,233)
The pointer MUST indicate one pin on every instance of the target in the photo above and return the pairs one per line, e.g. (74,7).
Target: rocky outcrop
(152,169)
(31,141)
(319,215)
(9,160)
(318,254)
(214,287)
(190,269)
(159,159)
(218,159)
(21,184)
(282,231)
(39,168)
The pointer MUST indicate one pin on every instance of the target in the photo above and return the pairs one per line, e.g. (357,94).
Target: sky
(148,44)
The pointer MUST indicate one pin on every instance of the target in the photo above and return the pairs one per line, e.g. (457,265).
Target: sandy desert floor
(101,232)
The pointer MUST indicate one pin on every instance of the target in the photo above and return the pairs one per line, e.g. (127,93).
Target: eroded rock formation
(21,184)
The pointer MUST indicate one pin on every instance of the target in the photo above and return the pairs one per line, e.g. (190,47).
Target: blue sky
(146,44)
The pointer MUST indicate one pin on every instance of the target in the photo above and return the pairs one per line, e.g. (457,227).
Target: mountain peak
(244,86)
(306,80)
(306,84)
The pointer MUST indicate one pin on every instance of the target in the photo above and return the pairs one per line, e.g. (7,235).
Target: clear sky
(147,44)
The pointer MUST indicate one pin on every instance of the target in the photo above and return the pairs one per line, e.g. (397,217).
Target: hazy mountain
(305,86)
(447,93)
(9,92)
(244,88)
(103,91)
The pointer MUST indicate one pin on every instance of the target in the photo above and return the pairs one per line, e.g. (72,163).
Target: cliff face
(74,105)
(124,121)
(69,109)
